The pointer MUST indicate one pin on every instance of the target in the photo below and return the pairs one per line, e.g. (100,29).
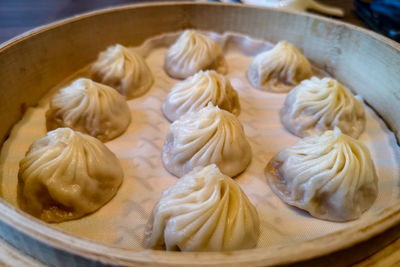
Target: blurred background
(18,16)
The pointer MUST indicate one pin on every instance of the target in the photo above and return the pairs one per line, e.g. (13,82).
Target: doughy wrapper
(340,188)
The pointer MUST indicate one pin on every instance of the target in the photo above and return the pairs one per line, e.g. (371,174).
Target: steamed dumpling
(279,69)
(66,175)
(205,210)
(211,135)
(197,91)
(123,70)
(91,108)
(191,53)
(331,176)
(317,105)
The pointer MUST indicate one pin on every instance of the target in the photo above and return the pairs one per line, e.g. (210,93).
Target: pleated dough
(317,105)
(279,69)
(191,53)
(332,176)
(91,108)
(211,135)
(197,91)
(66,175)
(123,70)
(205,210)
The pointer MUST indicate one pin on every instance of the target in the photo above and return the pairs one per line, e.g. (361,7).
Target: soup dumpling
(123,70)
(66,175)
(191,53)
(317,105)
(89,107)
(205,210)
(332,176)
(197,91)
(279,69)
(211,135)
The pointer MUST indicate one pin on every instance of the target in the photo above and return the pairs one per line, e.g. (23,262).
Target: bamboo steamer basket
(36,61)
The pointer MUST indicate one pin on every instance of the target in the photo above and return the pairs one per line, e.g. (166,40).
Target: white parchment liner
(121,222)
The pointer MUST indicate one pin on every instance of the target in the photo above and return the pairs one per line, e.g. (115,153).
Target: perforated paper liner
(121,222)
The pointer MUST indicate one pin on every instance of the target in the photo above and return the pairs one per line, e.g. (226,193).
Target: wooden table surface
(18,16)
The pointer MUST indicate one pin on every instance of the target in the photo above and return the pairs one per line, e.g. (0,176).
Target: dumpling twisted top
(91,108)
(197,91)
(279,69)
(66,175)
(331,176)
(210,135)
(317,105)
(124,70)
(204,211)
(191,53)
